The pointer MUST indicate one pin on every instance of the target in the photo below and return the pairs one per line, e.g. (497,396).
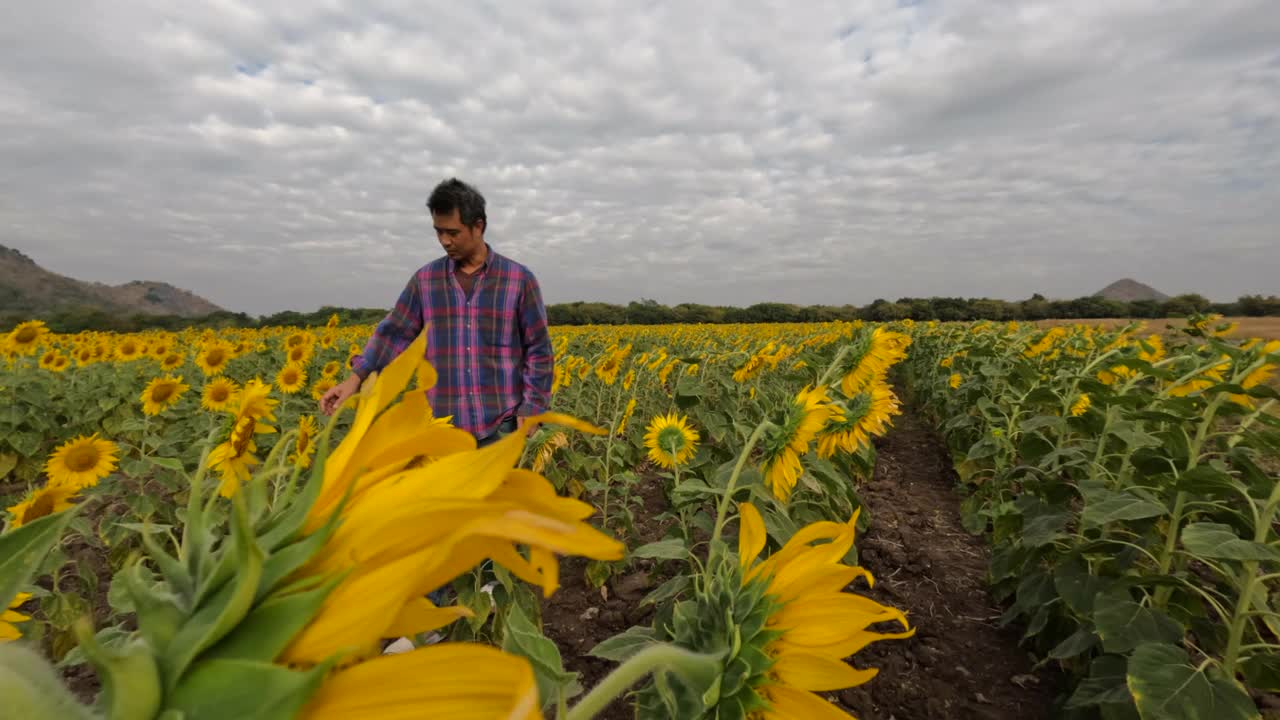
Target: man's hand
(338,394)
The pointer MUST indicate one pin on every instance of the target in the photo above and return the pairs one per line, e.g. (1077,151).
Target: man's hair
(453,194)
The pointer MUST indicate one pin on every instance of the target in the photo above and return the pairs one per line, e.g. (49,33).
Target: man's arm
(397,330)
(539,357)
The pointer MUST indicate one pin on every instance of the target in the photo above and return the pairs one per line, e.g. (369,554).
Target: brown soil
(959,665)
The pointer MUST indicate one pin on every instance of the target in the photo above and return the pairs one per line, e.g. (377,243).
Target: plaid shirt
(492,352)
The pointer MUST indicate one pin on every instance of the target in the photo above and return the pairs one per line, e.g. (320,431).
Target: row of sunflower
(1127,479)
(298,560)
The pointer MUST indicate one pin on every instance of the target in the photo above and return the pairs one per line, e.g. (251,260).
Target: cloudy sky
(720,151)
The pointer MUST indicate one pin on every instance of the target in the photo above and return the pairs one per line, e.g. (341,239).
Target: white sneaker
(403,645)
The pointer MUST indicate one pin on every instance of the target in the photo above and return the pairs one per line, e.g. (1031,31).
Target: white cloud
(727,152)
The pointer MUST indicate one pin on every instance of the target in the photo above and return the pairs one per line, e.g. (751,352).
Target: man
(486,327)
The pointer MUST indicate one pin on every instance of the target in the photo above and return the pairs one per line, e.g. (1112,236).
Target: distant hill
(1128,290)
(25,287)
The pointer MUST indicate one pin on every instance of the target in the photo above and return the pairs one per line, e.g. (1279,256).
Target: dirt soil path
(959,666)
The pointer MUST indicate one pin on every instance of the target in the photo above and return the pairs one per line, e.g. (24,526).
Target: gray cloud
(727,152)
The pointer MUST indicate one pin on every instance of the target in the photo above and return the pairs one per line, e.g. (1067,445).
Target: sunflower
(129,349)
(299,355)
(626,415)
(10,616)
(322,386)
(212,359)
(218,394)
(874,353)
(162,393)
(61,363)
(172,361)
(1081,405)
(817,624)
(403,532)
(305,446)
(291,378)
(85,355)
(788,441)
(233,457)
(954,381)
(868,414)
(787,626)
(331,369)
(81,462)
(547,449)
(47,359)
(50,499)
(670,440)
(23,339)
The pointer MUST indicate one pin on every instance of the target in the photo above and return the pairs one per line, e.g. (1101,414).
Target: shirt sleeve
(397,330)
(539,357)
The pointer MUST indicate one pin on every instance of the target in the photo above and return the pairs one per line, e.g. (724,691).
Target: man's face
(459,241)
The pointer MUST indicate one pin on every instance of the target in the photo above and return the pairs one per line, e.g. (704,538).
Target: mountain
(25,287)
(1128,290)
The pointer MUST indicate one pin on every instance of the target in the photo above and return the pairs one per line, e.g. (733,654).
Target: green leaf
(8,461)
(1076,585)
(1104,506)
(1080,642)
(23,550)
(1124,624)
(669,549)
(622,646)
(1215,540)
(1104,686)
(667,590)
(1262,672)
(244,689)
(1167,686)
(221,613)
(521,637)
(167,463)
(267,630)
(1044,529)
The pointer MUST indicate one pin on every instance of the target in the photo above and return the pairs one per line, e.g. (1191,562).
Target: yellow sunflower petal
(791,704)
(458,681)
(420,615)
(751,534)
(805,671)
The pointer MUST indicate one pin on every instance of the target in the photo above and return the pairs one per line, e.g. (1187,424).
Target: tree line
(651,312)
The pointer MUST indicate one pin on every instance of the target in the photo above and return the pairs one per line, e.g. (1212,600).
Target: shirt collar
(488,260)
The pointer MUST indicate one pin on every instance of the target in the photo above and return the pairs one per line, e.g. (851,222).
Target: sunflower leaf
(23,550)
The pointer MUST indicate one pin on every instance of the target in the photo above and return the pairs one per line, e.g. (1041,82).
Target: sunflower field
(186,537)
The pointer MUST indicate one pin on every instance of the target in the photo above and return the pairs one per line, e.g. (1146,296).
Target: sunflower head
(670,440)
(24,338)
(161,393)
(291,378)
(38,503)
(213,357)
(788,439)
(218,394)
(81,462)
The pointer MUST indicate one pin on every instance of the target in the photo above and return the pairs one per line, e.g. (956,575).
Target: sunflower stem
(653,658)
(723,508)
